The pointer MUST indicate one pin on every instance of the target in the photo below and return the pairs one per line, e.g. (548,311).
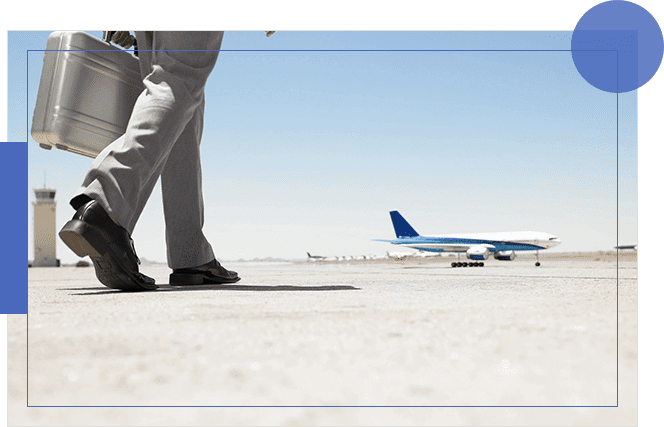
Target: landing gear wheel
(537,264)
(481,264)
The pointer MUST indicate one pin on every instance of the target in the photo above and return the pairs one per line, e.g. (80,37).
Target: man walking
(162,140)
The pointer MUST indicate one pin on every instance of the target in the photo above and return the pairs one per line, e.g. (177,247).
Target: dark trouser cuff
(79,201)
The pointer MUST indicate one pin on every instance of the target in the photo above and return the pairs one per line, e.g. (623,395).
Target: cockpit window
(552,238)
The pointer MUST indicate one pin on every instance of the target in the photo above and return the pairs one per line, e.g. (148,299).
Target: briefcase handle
(109,34)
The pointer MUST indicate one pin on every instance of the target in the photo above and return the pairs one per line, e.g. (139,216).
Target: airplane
(400,255)
(623,247)
(476,246)
(314,256)
(418,254)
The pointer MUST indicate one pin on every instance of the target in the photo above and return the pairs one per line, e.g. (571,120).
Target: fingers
(123,39)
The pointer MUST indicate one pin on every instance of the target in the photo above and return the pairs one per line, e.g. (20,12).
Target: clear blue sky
(308,151)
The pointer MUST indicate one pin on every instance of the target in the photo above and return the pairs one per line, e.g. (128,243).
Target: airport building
(44,228)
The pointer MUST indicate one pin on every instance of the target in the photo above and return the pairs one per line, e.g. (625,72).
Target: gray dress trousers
(162,139)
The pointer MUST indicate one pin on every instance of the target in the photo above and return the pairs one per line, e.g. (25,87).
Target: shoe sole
(197,279)
(86,240)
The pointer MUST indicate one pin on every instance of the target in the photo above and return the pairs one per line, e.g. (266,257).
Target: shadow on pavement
(220,287)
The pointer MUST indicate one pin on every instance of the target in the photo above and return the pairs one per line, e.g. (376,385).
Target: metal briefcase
(87,91)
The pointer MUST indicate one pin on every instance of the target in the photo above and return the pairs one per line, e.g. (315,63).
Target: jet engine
(504,255)
(478,253)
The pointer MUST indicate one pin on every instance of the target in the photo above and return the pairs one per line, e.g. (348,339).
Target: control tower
(44,228)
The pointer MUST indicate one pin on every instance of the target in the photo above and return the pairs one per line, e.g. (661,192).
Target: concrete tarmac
(411,342)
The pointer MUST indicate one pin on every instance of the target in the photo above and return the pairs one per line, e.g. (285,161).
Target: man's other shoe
(92,232)
(212,272)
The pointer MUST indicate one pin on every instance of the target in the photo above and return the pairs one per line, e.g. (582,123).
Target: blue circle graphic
(617,46)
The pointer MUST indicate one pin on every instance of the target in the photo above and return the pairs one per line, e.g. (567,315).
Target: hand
(123,39)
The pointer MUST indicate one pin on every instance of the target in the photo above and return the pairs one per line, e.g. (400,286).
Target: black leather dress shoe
(92,232)
(212,272)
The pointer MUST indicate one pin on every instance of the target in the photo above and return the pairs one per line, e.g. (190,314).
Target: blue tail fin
(401,226)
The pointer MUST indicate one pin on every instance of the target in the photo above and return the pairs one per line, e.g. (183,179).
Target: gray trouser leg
(182,195)
(162,139)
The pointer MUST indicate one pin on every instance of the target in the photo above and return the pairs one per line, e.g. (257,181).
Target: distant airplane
(314,256)
(400,255)
(421,254)
(622,247)
(404,255)
(476,246)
